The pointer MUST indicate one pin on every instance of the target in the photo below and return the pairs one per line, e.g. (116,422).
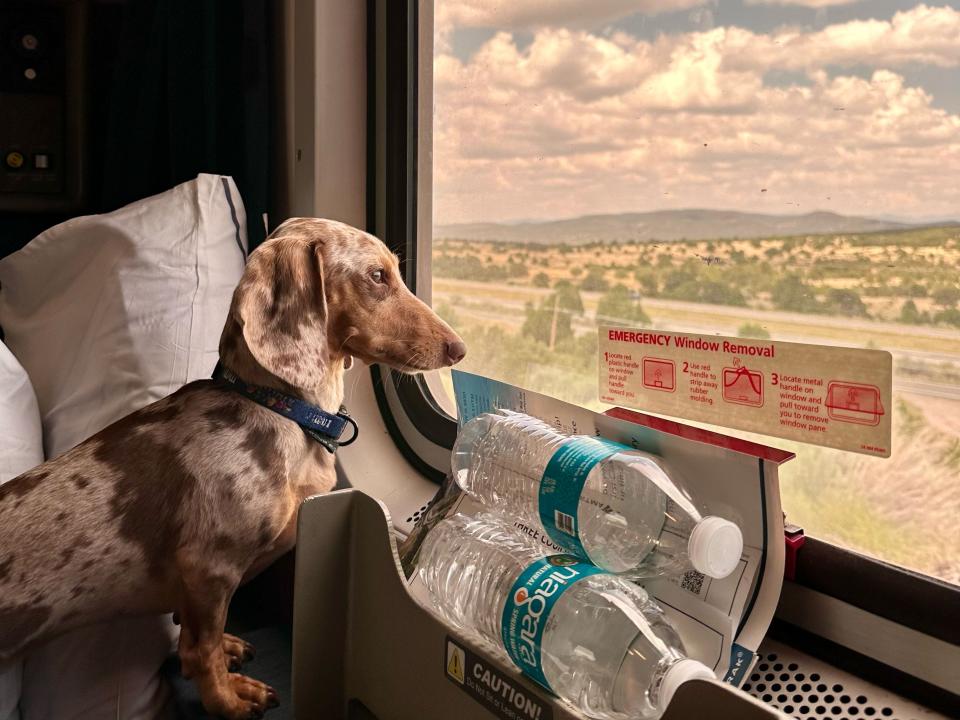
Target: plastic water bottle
(593,638)
(603,501)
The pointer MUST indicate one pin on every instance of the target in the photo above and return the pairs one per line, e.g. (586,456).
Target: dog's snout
(456,351)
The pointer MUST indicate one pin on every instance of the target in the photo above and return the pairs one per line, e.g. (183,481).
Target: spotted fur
(172,507)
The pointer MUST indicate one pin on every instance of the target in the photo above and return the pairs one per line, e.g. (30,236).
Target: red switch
(794,538)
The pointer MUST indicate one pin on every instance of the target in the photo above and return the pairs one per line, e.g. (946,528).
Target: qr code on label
(692,581)
(565,523)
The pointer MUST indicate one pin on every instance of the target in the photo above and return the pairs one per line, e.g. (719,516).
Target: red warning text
(641,338)
(717,346)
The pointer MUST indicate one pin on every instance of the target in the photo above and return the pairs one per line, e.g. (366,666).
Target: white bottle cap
(715,546)
(678,673)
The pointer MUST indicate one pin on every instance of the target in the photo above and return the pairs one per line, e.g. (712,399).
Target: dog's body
(172,507)
(203,472)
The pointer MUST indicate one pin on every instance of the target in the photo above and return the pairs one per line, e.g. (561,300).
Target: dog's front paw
(236,652)
(255,697)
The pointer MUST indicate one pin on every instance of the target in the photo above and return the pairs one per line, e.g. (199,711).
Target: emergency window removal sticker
(832,396)
(491,686)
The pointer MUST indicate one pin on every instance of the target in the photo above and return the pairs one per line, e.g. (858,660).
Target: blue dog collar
(320,425)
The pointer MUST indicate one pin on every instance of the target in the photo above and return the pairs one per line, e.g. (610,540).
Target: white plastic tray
(360,636)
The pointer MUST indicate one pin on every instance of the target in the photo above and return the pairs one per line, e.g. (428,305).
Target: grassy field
(476,296)
(892,290)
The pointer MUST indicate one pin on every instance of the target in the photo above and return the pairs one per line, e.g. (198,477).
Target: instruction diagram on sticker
(832,396)
(659,374)
(742,385)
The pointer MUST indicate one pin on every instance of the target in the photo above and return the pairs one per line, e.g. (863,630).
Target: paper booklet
(721,622)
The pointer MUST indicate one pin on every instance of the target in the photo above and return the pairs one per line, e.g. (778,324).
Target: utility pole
(553,325)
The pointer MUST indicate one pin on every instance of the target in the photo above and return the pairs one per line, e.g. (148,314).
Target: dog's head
(318,292)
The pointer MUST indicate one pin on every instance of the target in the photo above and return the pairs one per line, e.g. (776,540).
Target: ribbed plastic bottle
(593,638)
(608,503)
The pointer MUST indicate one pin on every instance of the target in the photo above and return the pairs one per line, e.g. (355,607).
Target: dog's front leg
(205,595)
(236,650)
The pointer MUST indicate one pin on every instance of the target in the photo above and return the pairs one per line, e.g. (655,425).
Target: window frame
(395,122)
(904,597)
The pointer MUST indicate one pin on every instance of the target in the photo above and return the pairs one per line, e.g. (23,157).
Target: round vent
(808,696)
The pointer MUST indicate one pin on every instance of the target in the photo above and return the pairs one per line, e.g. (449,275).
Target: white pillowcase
(21,448)
(22,445)
(109,313)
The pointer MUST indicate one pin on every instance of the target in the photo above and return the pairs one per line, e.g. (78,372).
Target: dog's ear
(282,311)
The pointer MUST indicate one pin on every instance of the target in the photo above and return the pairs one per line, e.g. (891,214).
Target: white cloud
(817,4)
(526,15)
(530,14)
(923,35)
(577,123)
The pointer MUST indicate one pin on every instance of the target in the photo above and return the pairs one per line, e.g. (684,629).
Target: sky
(548,109)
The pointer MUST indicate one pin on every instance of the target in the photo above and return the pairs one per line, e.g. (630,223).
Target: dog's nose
(456,351)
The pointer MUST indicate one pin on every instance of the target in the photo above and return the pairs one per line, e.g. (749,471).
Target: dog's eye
(377,276)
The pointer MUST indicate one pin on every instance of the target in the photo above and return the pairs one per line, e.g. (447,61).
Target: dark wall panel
(174,88)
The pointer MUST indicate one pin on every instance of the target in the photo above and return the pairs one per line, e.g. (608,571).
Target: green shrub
(551,322)
(471,267)
(910,315)
(617,306)
(648,280)
(594,281)
(753,330)
(950,316)
(845,302)
(516,269)
(567,296)
(946,296)
(447,313)
(792,294)
(676,279)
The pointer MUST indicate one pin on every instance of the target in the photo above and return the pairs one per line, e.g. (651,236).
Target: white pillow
(22,445)
(109,313)
(20,449)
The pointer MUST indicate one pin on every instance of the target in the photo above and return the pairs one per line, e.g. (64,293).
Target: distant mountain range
(669,225)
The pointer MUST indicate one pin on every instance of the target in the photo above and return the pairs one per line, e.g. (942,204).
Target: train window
(761,168)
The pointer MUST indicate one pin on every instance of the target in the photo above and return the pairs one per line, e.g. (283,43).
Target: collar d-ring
(352,423)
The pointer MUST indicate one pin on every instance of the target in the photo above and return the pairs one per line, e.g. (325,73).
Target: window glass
(762,168)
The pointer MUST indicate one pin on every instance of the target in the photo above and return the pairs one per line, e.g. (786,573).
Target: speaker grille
(808,689)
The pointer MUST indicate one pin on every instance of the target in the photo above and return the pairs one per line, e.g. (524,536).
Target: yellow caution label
(455,662)
(493,685)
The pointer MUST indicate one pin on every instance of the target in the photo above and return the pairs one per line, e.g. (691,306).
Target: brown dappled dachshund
(174,506)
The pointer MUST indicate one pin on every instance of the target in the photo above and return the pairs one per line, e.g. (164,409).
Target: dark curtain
(189,91)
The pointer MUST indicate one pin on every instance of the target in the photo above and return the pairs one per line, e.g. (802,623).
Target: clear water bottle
(592,638)
(603,501)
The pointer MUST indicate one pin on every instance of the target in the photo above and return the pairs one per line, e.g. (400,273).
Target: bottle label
(562,484)
(528,608)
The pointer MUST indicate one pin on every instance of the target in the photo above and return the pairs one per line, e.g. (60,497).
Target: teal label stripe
(562,485)
(529,605)
(740,658)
